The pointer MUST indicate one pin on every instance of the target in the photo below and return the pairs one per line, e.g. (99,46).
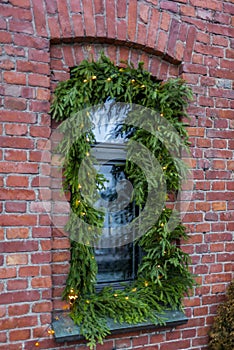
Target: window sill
(65,329)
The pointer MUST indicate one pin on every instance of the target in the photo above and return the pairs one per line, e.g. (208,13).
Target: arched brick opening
(191,38)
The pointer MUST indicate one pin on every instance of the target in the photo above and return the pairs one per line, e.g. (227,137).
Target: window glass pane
(118,263)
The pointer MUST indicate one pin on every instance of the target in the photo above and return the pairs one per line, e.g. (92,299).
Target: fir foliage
(222,331)
(163,276)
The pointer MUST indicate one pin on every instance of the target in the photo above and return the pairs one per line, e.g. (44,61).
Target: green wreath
(163,275)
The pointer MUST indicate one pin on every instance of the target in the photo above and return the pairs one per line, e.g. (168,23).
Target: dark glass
(117,264)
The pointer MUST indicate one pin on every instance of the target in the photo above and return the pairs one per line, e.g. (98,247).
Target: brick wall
(40,40)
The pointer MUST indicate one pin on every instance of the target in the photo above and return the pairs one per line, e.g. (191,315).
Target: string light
(115,295)
(162,224)
(164,168)
(134,290)
(94,77)
(126,298)
(87,154)
(77,202)
(85,81)
(37,344)
(146,284)
(161,115)
(133,80)
(109,79)
(79,186)
(142,86)
(87,301)
(72,296)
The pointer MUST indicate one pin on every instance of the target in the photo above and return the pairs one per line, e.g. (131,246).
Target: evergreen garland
(163,275)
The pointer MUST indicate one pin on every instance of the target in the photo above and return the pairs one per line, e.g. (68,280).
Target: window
(117,261)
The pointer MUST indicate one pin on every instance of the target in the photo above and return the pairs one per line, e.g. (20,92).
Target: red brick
(101,30)
(28,271)
(41,282)
(110,19)
(35,67)
(78,27)
(31,42)
(40,19)
(15,51)
(141,33)
(15,78)
(7,64)
(19,334)
(5,38)
(39,232)
(122,8)
(40,131)
(3,337)
(21,3)
(14,103)
(7,272)
(38,80)
(19,246)
(45,257)
(17,259)
(15,155)
(20,117)
(64,18)
(213,4)
(40,106)
(192,68)
(42,307)
(165,21)
(16,129)
(190,44)
(122,343)
(17,233)
(17,284)
(38,55)
(68,56)
(17,194)
(170,6)
(15,207)
(187,11)
(173,36)
(20,26)
(132,19)
(76,7)
(230,53)
(18,220)
(54,28)
(180,344)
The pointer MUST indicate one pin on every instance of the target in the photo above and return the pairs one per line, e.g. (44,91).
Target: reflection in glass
(119,263)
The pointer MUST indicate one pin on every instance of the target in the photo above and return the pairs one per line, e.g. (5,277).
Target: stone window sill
(65,329)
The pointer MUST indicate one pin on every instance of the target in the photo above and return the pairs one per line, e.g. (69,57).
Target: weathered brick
(132,20)
(17,233)
(20,26)
(15,78)
(17,259)
(19,334)
(64,18)
(40,19)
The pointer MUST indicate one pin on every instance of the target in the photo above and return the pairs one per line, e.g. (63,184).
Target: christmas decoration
(163,275)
